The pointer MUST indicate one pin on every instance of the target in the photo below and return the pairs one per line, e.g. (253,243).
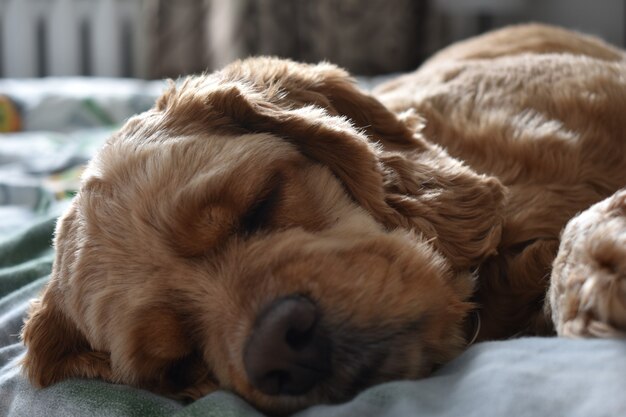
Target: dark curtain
(367,37)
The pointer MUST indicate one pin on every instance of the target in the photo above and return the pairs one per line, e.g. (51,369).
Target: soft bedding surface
(66,122)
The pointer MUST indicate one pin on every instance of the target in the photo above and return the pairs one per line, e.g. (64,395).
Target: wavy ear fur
(381,158)
(290,85)
(448,202)
(329,139)
(57,350)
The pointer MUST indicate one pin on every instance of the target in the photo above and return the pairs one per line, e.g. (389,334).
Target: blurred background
(73,71)
(153,39)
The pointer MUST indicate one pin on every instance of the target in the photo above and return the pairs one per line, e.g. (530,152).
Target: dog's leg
(587,295)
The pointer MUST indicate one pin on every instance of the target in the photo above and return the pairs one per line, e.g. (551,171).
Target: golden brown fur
(272,178)
(548,124)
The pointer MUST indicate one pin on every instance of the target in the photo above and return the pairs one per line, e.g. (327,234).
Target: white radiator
(72,37)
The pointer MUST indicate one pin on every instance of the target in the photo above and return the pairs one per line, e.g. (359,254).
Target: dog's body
(273,209)
(542,111)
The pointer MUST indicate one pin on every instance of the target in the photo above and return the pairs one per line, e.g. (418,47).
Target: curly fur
(397,213)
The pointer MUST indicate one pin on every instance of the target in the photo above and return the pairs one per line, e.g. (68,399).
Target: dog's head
(267,229)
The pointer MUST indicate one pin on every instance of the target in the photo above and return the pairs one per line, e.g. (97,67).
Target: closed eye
(261,214)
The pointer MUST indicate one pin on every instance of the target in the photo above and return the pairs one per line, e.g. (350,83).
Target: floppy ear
(152,350)
(448,202)
(331,140)
(419,187)
(56,349)
(366,113)
(291,84)
(443,198)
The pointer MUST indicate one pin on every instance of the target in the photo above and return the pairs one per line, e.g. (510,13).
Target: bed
(64,121)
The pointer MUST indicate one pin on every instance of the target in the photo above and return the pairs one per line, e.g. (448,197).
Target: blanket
(39,172)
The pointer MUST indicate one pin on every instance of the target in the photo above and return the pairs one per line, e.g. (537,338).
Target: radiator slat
(20,39)
(63,41)
(72,37)
(106,40)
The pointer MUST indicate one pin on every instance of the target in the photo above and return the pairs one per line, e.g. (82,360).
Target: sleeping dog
(272,230)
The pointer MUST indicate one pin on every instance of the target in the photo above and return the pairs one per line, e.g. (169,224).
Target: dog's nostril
(286,353)
(299,339)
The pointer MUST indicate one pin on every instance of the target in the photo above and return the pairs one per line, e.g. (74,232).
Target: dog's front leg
(587,295)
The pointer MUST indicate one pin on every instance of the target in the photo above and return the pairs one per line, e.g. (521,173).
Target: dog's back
(540,108)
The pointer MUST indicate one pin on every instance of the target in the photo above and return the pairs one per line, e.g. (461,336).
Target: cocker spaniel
(272,230)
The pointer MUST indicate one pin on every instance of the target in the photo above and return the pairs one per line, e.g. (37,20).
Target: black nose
(287,354)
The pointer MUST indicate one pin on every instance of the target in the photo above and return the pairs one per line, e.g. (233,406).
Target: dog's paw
(587,293)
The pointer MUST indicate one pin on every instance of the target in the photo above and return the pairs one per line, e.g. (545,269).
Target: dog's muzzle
(287,352)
